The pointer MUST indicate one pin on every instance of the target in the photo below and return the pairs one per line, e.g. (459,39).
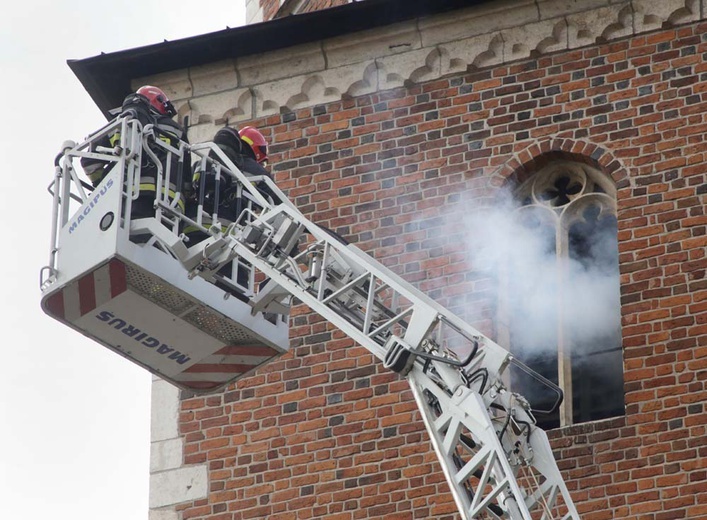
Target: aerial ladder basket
(201,314)
(135,298)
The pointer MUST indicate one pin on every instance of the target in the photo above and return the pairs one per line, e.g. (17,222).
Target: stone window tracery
(562,292)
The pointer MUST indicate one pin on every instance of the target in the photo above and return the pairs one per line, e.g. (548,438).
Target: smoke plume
(516,248)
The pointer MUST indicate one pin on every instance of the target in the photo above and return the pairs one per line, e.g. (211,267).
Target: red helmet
(159,101)
(253,138)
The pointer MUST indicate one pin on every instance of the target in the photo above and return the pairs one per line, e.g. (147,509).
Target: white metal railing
(136,148)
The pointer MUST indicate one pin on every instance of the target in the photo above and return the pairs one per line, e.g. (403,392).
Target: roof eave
(107,77)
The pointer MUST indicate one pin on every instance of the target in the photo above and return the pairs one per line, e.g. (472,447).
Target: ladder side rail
(544,462)
(525,445)
(273,187)
(485,481)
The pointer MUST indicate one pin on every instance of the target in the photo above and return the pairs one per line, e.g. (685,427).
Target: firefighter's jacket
(165,129)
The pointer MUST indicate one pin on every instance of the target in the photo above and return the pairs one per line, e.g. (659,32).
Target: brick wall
(309,6)
(269,9)
(326,432)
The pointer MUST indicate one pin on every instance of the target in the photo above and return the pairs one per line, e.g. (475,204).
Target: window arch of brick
(560,296)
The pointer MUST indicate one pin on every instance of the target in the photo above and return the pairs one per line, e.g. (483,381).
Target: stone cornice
(419,50)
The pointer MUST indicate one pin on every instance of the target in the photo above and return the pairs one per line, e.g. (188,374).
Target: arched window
(561,294)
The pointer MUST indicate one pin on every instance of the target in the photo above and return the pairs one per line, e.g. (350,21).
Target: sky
(74,417)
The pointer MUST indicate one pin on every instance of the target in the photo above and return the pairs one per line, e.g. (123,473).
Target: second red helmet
(253,138)
(158,100)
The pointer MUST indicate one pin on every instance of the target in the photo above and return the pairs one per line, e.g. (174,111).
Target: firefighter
(255,159)
(204,186)
(255,151)
(247,149)
(149,105)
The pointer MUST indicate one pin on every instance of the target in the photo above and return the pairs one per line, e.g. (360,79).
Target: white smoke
(518,255)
